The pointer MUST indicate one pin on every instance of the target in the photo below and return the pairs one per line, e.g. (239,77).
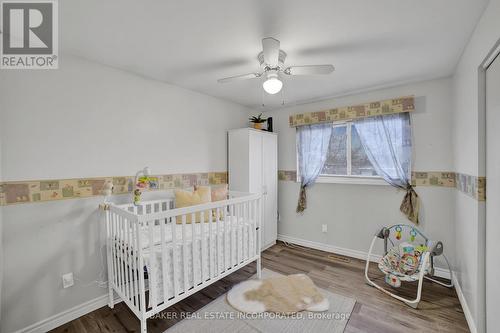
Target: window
(347,161)
(346,156)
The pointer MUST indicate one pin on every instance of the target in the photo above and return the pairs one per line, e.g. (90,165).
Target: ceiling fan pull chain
(262,95)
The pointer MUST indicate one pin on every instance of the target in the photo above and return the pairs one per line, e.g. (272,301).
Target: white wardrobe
(253,167)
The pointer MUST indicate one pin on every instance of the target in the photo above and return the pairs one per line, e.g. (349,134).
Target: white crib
(150,250)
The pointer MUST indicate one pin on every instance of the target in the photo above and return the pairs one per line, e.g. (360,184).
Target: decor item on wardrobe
(253,167)
(145,242)
(270,124)
(257,121)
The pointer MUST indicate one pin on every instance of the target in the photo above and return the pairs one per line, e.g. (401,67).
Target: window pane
(336,162)
(360,164)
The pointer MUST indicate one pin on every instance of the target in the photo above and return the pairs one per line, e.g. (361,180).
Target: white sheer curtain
(387,143)
(312,149)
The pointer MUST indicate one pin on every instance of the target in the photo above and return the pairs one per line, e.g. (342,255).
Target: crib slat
(120,253)
(163,259)
(152,260)
(173,223)
(210,242)
(231,236)
(140,269)
(224,218)
(238,248)
(129,262)
(137,270)
(133,244)
(194,253)
(124,256)
(113,249)
(218,239)
(203,249)
(184,252)
(254,227)
(244,230)
(123,259)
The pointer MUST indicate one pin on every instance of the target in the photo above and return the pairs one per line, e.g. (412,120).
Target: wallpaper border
(364,110)
(31,191)
(472,186)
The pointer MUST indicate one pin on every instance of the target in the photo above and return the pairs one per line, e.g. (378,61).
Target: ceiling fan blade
(271,50)
(240,77)
(309,70)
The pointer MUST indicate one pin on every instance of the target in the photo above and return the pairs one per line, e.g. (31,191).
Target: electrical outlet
(324,228)
(68,280)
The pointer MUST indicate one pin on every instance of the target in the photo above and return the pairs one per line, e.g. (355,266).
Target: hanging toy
(413,234)
(398,232)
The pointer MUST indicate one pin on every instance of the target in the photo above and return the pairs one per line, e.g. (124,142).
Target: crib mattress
(219,251)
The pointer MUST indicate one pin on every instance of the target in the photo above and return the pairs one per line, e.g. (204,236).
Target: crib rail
(158,254)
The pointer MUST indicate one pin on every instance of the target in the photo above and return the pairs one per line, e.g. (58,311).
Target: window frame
(349,178)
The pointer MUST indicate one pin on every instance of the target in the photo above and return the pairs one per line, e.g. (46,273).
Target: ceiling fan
(272,63)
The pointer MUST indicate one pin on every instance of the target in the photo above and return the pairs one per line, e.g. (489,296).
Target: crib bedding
(214,244)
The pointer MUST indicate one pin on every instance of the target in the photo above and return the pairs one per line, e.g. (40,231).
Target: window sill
(352,180)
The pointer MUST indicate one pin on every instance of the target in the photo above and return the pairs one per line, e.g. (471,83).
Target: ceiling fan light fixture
(273,84)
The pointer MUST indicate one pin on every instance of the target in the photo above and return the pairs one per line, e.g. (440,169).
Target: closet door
(492,195)
(255,162)
(270,182)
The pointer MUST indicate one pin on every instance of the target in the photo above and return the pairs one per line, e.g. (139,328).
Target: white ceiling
(193,43)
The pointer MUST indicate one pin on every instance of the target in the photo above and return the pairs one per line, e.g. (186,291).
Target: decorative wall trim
(372,109)
(433,178)
(472,186)
(287,175)
(18,192)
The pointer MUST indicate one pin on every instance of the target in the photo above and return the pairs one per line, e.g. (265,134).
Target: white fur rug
(279,294)
(220,317)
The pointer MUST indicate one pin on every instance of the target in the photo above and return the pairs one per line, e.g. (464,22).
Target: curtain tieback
(411,204)
(302,204)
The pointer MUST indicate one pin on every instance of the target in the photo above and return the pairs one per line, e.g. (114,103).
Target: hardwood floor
(439,310)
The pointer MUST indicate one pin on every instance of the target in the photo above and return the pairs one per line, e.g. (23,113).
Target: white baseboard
(67,316)
(438,271)
(268,246)
(465,306)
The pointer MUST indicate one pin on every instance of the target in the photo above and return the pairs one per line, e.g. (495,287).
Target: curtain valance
(380,108)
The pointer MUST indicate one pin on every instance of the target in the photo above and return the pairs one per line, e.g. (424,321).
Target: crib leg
(111,301)
(259,268)
(144,327)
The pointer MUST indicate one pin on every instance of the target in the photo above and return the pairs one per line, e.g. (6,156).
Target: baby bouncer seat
(410,258)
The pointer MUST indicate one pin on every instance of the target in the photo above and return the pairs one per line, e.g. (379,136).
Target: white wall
(468,138)
(87,120)
(354,213)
